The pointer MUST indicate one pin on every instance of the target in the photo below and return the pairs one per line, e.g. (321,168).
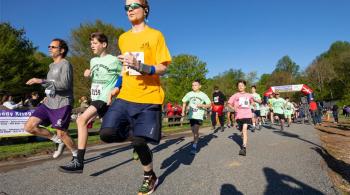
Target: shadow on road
(229,189)
(292,135)
(158,148)
(182,156)
(285,184)
(338,166)
(236,138)
(106,154)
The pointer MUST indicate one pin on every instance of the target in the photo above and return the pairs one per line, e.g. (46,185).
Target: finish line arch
(306,90)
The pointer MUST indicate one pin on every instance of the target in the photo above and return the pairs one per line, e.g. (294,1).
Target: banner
(12,122)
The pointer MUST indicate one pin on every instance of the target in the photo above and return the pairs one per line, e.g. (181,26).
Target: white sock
(74,153)
(56,139)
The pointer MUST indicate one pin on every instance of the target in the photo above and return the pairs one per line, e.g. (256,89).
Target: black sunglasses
(133,6)
(52,47)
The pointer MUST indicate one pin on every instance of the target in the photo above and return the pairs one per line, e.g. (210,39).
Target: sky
(251,35)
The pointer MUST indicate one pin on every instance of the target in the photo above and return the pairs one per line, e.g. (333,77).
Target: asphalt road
(277,162)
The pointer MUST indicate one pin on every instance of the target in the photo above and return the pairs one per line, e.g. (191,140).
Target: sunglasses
(133,6)
(52,47)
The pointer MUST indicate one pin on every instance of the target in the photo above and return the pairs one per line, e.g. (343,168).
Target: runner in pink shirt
(241,103)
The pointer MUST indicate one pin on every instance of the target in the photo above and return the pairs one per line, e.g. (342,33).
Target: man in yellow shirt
(145,56)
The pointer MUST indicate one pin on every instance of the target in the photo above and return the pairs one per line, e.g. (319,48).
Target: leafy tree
(226,82)
(183,70)
(18,61)
(286,64)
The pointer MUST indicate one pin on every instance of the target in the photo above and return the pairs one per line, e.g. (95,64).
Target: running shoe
(222,129)
(72,167)
(243,151)
(149,184)
(135,156)
(59,150)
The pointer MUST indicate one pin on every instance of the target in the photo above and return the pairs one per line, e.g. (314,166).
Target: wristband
(119,82)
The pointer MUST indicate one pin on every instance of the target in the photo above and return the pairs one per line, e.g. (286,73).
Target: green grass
(19,148)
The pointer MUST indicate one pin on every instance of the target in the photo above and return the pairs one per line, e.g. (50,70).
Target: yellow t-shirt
(150,48)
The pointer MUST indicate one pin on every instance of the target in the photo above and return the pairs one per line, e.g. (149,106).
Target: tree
(286,64)
(328,73)
(183,70)
(226,82)
(18,61)
(81,53)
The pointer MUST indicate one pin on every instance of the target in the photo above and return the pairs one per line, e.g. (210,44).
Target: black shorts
(196,122)
(100,106)
(280,116)
(257,113)
(243,121)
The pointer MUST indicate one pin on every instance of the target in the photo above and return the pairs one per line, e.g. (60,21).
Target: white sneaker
(59,150)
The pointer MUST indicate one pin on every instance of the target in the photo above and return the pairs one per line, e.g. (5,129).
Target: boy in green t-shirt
(278,108)
(198,102)
(288,111)
(104,70)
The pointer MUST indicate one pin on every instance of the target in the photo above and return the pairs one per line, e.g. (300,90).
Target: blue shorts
(145,120)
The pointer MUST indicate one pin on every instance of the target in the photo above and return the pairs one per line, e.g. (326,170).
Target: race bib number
(96,90)
(140,57)
(243,102)
(216,99)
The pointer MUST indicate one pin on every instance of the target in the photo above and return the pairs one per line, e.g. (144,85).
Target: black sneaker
(72,167)
(149,184)
(243,151)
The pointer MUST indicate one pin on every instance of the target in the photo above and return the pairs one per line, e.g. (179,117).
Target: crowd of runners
(126,93)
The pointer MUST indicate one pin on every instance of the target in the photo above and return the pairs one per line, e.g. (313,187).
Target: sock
(74,153)
(56,139)
(149,173)
(81,154)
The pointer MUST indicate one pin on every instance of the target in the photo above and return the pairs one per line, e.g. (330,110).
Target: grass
(19,147)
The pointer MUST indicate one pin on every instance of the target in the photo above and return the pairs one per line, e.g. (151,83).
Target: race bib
(96,90)
(140,57)
(216,99)
(243,102)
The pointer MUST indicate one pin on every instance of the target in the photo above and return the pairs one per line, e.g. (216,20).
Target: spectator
(335,113)
(34,101)
(319,113)
(84,103)
(9,103)
(347,111)
(313,111)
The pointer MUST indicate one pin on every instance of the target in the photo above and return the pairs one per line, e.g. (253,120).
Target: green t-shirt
(264,110)
(193,99)
(104,72)
(278,105)
(289,108)
(256,98)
